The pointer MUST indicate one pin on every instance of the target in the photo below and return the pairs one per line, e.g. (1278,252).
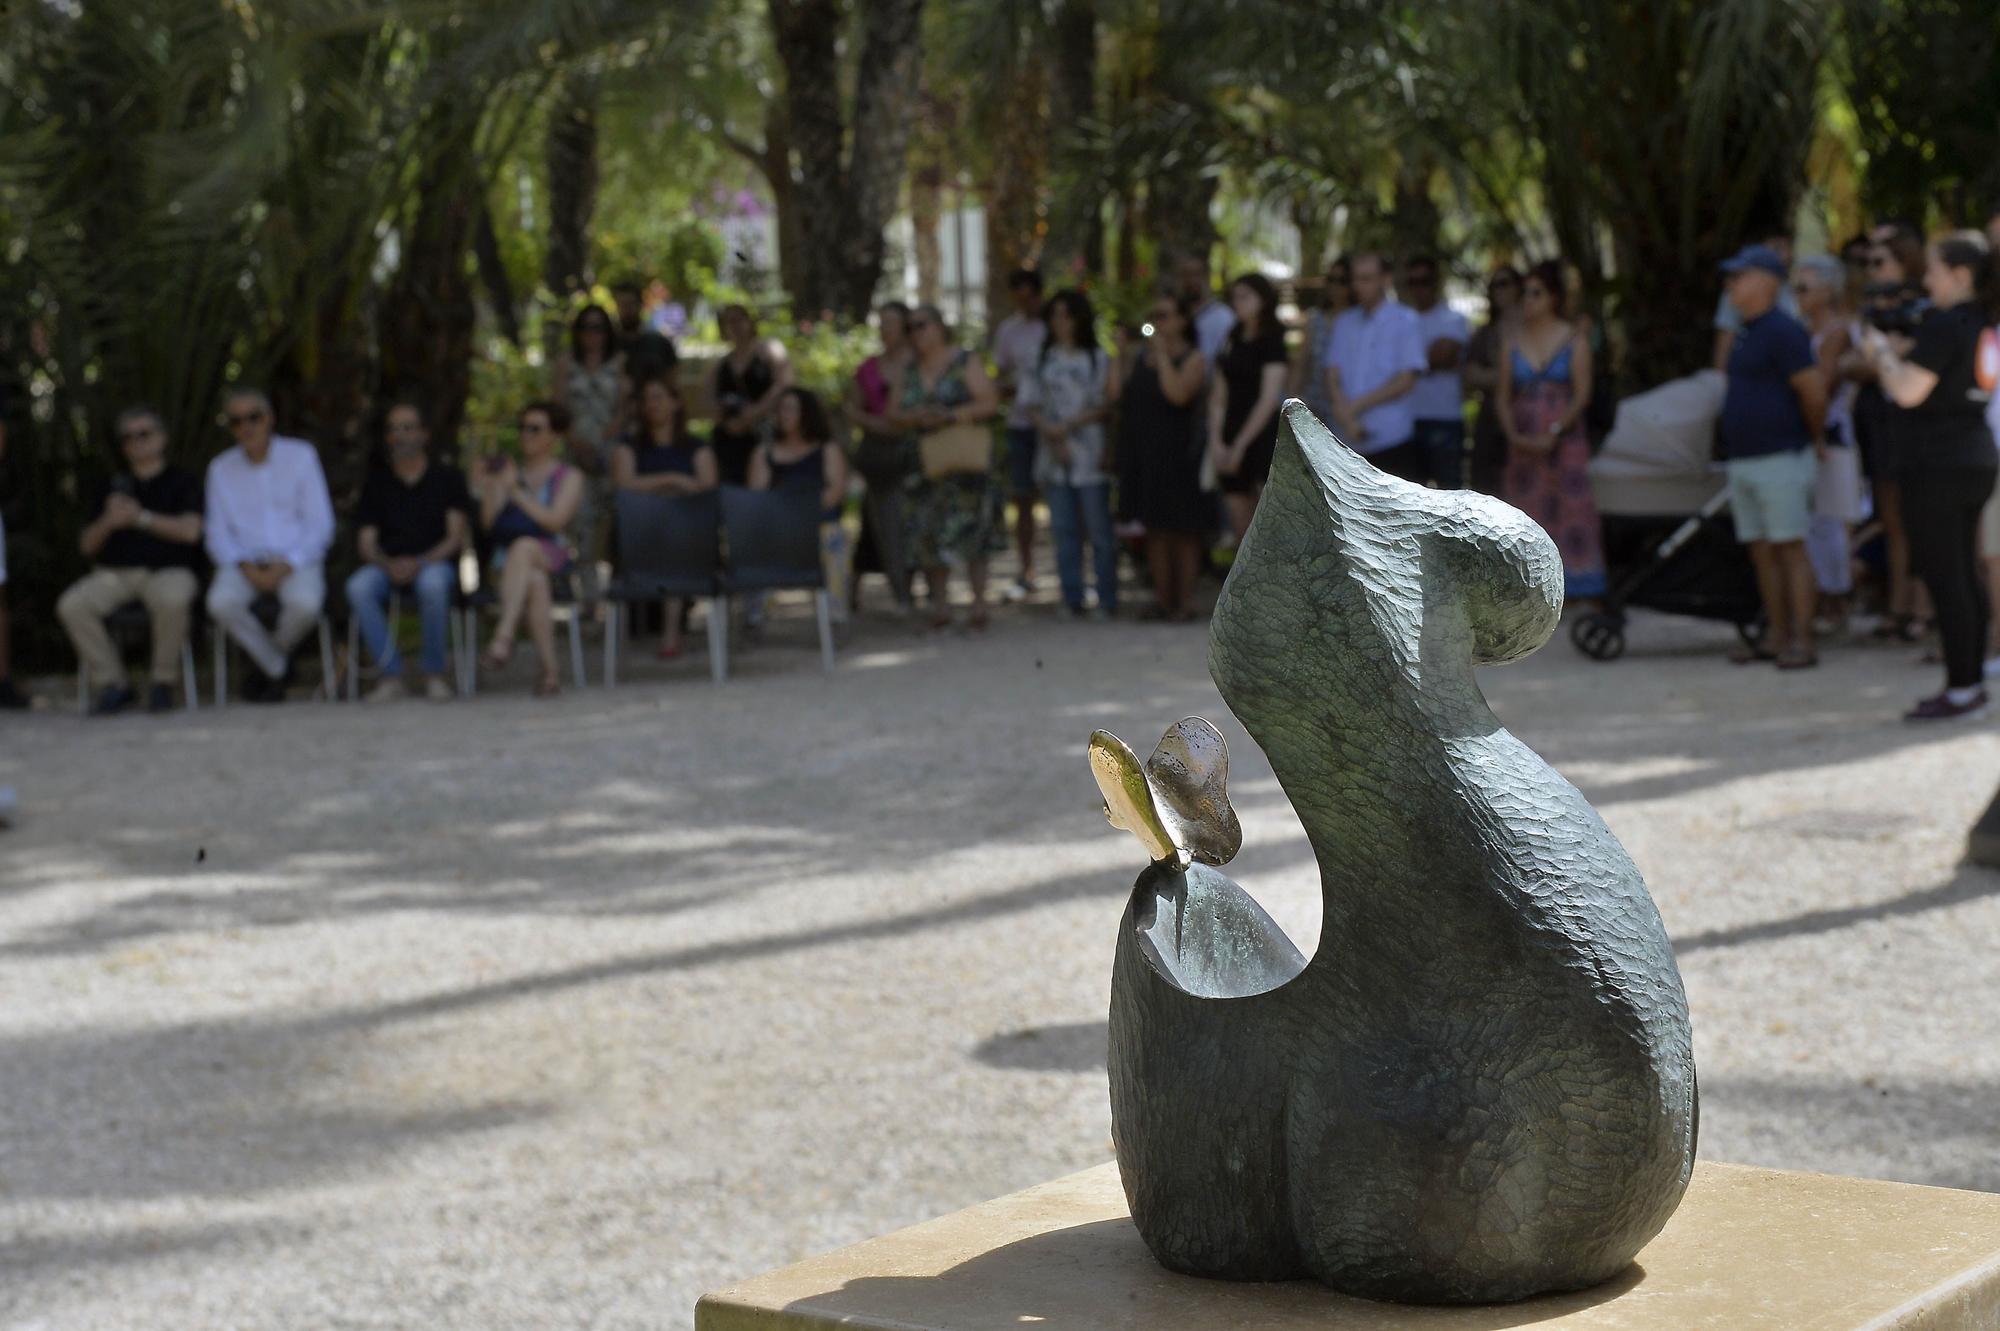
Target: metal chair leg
(718,638)
(328,688)
(576,645)
(611,616)
(823,610)
(471,664)
(221,666)
(189,688)
(353,655)
(82,689)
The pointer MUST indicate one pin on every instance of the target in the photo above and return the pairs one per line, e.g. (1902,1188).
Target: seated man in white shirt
(269,522)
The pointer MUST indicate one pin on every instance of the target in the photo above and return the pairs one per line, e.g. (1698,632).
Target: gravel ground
(508,1014)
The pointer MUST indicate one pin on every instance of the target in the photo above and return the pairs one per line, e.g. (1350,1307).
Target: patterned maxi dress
(1553,488)
(955,520)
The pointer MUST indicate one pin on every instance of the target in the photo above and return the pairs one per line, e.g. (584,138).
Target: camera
(1895,308)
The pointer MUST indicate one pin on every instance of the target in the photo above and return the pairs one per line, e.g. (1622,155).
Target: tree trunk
(571,155)
(1075,246)
(1178,209)
(493,276)
(926,216)
(428,315)
(847,181)
(1011,193)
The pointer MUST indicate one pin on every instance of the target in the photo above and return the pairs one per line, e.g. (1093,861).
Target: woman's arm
(1906,383)
(760,467)
(1583,378)
(1270,392)
(1503,392)
(985,402)
(1218,409)
(834,462)
(560,511)
(782,377)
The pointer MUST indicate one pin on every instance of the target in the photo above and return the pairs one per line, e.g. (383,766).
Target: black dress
(1241,364)
(1160,454)
(733,450)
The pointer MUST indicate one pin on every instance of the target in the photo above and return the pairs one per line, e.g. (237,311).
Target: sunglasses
(917,325)
(237,418)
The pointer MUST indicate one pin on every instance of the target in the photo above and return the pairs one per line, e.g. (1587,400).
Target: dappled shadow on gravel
(1912,1130)
(1970,883)
(1078,1047)
(226,1109)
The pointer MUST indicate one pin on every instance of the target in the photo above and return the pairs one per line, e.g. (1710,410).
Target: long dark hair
(576,331)
(665,381)
(813,427)
(1267,300)
(1082,322)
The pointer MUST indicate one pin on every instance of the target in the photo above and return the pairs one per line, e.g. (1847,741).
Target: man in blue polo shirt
(1772,418)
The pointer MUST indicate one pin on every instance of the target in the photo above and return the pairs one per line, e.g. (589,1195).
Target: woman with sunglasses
(525,508)
(744,387)
(1942,380)
(1308,384)
(1545,383)
(955,518)
(1159,447)
(588,381)
(1895,263)
(1482,376)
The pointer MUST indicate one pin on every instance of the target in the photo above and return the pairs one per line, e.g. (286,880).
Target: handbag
(955,450)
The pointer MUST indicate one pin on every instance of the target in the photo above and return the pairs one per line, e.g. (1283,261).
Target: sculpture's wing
(1128,800)
(1189,778)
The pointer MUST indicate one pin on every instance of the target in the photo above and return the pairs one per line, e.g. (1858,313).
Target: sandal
(1743,654)
(980,620)
(548,686)
(1797,660)
(494,659)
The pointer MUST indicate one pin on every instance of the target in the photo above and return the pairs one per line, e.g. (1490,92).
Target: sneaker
(11,698)
(1022,589)
(1100,615)
(160,698)
(390,689)
(113,700)
(438,689)
(1942,708)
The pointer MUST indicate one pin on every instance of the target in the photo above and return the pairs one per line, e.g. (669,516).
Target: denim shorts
(1021,440)
(1771,496)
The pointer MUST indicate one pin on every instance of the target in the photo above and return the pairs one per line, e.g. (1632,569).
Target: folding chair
(668,545)
(772,538)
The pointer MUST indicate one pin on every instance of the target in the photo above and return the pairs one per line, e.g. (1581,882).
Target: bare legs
(939,580)
(1896,543)
(1024,536)
(1174,559)
(1786,585)
(1242,507)
(525,593)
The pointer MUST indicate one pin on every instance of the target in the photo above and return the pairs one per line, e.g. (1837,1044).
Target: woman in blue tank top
(803,459)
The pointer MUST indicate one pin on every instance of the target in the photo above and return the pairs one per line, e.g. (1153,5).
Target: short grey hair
(139,411)
(247,392)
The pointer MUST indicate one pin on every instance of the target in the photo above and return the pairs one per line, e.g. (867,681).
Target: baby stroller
(1669,543)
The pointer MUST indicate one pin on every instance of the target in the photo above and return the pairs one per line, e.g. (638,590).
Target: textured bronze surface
(1482,1087)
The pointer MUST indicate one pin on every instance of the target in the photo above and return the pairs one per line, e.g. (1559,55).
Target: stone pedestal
(1749,1248)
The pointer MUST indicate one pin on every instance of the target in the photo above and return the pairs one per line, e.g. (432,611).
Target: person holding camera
(146,546)
(1947,465)
(1892,299)
(744,387)
(268,523)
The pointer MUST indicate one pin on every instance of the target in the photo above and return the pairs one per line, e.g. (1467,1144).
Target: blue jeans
(1074,511)
(368,599)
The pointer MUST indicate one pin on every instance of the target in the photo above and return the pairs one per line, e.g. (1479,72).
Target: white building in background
(961,236)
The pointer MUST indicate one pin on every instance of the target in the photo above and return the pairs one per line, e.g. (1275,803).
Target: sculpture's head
(1372,568)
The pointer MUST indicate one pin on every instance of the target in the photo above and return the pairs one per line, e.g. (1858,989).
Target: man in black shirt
(649,353)
(413,526)
(146,544)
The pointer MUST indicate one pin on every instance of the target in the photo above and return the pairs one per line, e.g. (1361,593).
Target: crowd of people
(1857,389)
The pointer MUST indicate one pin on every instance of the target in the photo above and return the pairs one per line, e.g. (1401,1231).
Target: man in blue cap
(1772,421)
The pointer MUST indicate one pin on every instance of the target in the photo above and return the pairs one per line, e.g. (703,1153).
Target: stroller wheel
(1599,636)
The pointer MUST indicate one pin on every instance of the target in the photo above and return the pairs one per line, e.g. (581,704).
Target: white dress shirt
(278,509)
